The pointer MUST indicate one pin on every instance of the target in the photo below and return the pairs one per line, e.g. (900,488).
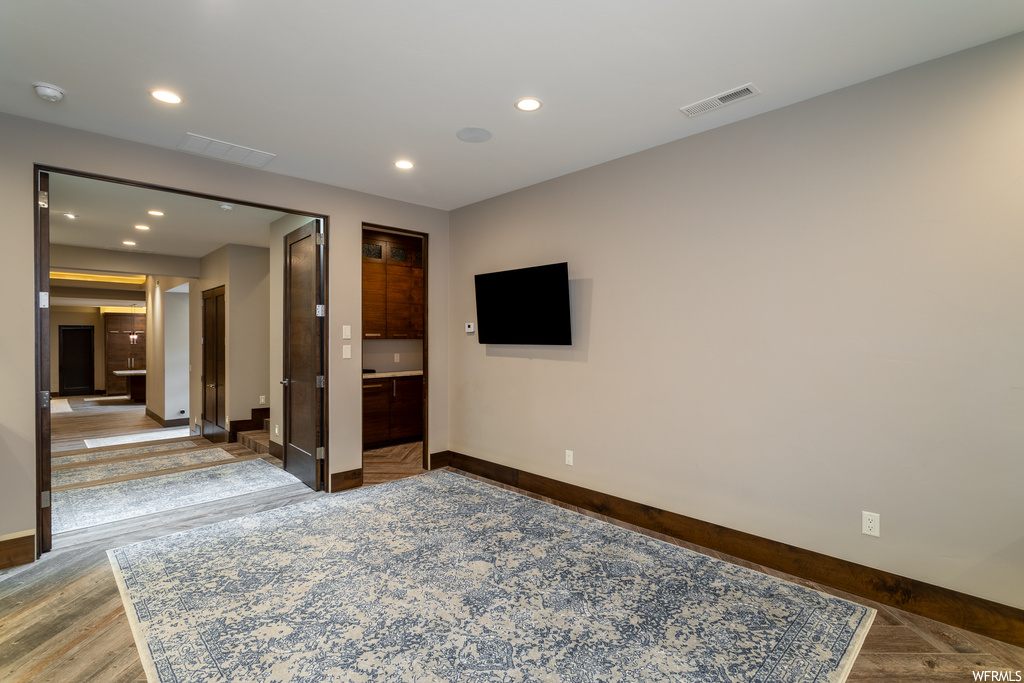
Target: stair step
(257,441)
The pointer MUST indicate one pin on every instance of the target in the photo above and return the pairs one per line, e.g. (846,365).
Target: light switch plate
(470,328)
(346,351)
(346,331)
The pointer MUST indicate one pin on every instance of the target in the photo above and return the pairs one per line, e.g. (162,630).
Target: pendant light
(133,338)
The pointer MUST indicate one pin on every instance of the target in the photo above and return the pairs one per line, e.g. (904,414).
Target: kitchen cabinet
(119,351)
(392,410)
(393,290)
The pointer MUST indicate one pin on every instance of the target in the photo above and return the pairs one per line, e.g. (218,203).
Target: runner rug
(442,578)
(154,435)
(85,507)
(88,471)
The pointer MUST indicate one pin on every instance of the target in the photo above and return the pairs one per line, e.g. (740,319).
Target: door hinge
(44,399)
(44,200)
(44,499)
(321,239)
(320,454)
(44,299)
(320,382)
(321,310)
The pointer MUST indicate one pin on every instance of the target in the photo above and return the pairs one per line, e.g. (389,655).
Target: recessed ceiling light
(128,243)
(142,227)
(404,164)
(70,215)
(166,96)
(154,212)
(528,104)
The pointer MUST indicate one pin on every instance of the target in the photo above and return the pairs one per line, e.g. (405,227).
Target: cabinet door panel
(376,399)
(374,300)
(406,407)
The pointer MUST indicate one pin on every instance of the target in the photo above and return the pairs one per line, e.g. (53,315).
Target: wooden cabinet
(392,410)
(120,353)
(393,292)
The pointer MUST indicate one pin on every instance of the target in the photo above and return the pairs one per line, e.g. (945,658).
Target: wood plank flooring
(392,462)
(61,618)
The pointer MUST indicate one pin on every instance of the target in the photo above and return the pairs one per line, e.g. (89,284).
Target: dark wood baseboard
(968,612)
(181,422)
(342,481)
(255,422)
(17,551)
(277,450)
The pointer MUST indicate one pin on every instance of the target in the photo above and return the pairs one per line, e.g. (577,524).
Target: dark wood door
(303,356)
(214,366)
(406,417)
(76,360)
(376,406)
(44,536)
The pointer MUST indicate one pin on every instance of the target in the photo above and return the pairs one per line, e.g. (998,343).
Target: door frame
(375,227)
(41,231)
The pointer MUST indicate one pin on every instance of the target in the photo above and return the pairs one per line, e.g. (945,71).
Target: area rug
(83,472)
(104,455)
(155,435)
(80,508)
(442,578)
(60,405)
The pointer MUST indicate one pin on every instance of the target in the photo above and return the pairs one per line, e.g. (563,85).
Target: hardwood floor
(95,419)
(61,618)
(392,462)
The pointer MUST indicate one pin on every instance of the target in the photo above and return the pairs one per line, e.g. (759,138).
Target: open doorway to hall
(394,344)
(135,261)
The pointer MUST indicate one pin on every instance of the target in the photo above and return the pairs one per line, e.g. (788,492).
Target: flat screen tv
(524,306)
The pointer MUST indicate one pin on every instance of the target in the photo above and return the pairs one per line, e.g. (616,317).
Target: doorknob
(284,382)
(212,386)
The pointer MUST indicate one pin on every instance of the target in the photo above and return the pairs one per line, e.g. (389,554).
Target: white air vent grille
(735,95)
(225,151)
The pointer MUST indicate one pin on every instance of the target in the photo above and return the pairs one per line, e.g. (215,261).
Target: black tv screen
(524,306)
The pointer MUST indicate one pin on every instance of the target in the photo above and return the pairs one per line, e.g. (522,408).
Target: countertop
(129,372)
(387,375)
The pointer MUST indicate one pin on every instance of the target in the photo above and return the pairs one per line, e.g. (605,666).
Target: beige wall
(27,142)
(76,315)
(783,322)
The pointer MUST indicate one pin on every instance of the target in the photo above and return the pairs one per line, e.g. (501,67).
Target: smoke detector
(48,91)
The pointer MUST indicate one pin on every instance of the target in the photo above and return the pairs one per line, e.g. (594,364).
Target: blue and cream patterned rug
(85,507)
(442,578)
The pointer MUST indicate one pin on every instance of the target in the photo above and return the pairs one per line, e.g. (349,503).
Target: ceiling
(106,215)
(339,90)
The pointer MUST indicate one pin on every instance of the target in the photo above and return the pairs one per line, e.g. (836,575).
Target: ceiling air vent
(735,95)
(225,151)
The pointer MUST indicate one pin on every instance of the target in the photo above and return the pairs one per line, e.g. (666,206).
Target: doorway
(76,362)
(214,377)
(46,228)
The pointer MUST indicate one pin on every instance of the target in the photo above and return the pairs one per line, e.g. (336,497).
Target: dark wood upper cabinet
(120,353)
(393,301)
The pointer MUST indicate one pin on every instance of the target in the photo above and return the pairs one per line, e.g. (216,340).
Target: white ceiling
(340,89)
(107,213)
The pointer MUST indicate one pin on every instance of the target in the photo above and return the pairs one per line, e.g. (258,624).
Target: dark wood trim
(343,481)
(254,423)
(276,449)
(968,612)
(181,422)
(43,539)
(15,552)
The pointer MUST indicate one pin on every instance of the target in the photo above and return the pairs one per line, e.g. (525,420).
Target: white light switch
(346,350)
(346,331)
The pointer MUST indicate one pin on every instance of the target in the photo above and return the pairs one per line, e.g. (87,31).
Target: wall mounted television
(524,306)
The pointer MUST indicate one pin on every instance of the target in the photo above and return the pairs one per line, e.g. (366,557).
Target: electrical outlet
(397,358)
(568,458)
(871,523)
(263,400)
